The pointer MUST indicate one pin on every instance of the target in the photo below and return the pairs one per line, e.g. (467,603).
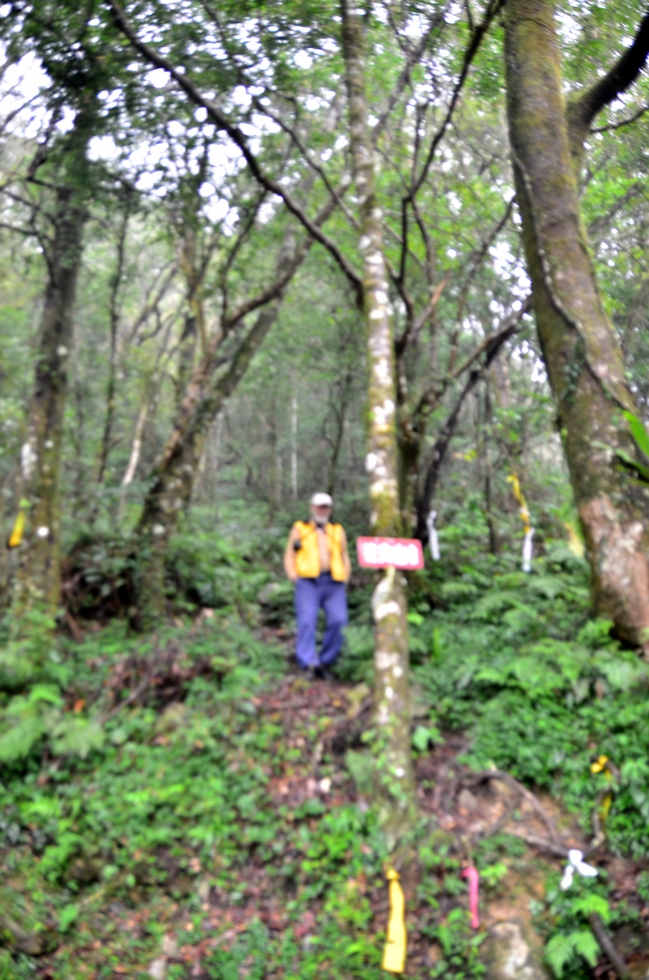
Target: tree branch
(415,327)
(223,123)
(294,135)
(585,106)
(480,255)
(475,41)
(509,329)
(623,122)
(442,444)
(413,58)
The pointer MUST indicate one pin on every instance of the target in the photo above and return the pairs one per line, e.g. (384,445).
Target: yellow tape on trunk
(394,954)
(16,535)
(518,493)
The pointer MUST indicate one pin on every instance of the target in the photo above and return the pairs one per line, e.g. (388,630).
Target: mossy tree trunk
(395,776)
(175,473)
(38,586)
(579,345)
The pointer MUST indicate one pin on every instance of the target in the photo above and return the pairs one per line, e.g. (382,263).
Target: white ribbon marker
(576,863)
(528,549)
(433,540)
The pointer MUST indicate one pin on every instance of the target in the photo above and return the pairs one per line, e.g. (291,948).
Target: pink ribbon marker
(472,874)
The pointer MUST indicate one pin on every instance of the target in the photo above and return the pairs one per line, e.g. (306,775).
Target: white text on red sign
(389,552)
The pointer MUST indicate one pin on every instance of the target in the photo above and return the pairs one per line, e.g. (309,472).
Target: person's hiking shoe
(324,674)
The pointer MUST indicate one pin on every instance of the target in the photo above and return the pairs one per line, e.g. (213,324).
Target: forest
(392,252)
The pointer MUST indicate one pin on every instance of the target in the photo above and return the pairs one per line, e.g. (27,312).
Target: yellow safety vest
(307,558)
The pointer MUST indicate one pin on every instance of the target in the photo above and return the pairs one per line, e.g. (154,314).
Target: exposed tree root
(525,793)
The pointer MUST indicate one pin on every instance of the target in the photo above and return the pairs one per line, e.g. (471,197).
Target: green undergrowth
(171,825)
(168,807)
(542,688)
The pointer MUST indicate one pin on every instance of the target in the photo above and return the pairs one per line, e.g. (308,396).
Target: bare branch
(292,132)
(412,332)
(239,139)
(475,41)
(623,122)
(481,254)
(443,440)
(234,251)
(151,305)
(413,58)
(507,330)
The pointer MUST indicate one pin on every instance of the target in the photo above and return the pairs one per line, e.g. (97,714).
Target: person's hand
(293,579)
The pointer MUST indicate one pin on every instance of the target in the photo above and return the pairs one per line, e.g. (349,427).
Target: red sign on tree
(386,552)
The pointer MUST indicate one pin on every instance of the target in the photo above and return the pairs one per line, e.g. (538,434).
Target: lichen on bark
(395,785)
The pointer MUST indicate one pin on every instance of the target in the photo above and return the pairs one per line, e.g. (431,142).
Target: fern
(16,668)
(586,945)
(77,736)
(459,592)
(17,741)
(562,948)
(593,903)
(28,719)
(491,606)
(547,586)
(558,952)
(622,673)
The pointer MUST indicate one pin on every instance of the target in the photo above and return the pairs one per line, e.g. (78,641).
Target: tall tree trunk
(580,349)
(483,433)
(274,465)
(395,783)
(194,323)
(37,585)
(340,411)
(294,443)
(114,313)
(173,476)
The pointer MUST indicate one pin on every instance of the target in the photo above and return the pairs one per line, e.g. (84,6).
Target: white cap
(321,500)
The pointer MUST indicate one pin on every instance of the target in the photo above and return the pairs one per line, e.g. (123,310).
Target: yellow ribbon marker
(16,535)
(606,806)
(394,954)
(601,765)
(525,518)
(575,543)
(518,493)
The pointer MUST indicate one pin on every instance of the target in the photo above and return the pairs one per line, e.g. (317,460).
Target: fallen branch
(607,947)
(559,850)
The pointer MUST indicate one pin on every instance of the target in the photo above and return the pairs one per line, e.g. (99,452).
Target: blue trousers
(311,595)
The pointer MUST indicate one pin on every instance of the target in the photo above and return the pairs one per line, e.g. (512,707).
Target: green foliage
(206,569)
(108,803)
(563,948)
(541,688)
(460,946)
(639,432)
(570,942)
(26,718)
(425,735)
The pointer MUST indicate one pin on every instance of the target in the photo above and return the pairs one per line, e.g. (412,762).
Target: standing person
(317,563)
